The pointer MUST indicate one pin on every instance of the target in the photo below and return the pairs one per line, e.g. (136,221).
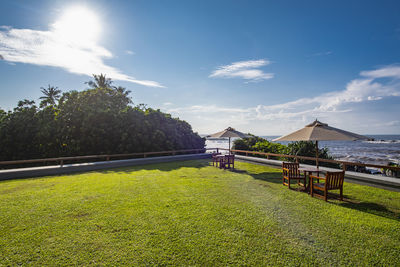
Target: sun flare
(79,25)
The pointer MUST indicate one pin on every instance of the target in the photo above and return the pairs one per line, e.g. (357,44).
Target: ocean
(384,148)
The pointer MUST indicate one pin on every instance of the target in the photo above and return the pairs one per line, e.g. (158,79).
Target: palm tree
(122,91)
(51,95)
(100,81)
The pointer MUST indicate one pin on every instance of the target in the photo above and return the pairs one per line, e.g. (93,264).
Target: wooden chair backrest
(229,159)
(334,180)
(293,168)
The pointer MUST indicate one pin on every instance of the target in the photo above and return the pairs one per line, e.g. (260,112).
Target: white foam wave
(383,142)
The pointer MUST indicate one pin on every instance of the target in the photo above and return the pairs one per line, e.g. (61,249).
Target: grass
(190,213)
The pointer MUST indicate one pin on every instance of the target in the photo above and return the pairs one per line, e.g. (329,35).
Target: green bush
(299,148)
(307,149)
(99,120)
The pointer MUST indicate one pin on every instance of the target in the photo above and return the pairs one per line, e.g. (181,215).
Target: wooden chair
(333,181)
(290,171)
(229,160)
(215,159)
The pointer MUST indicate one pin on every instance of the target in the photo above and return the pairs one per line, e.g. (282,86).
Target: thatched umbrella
(318,131)
(229,132)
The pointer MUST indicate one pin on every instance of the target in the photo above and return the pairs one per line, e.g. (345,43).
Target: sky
(264,67)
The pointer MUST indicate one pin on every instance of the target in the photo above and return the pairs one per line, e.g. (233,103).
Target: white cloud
(327,53)
(384,72)
(391,123)
(247,70)
(129,52)
(282,118)
(373,98)
(66,45)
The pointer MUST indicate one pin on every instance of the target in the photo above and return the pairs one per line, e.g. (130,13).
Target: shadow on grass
(270,177)
(364,206)
(163,166)
(370,207)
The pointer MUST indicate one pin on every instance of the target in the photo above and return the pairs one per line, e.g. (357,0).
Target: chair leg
(326,195)
(312,192)
(341,193)
(288,184)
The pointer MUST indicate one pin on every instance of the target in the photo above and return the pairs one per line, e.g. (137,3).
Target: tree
(98,120)
(18,130)
(247,143)
(307,148)
(3,115)
(100,81)
(299,148)
(51,95)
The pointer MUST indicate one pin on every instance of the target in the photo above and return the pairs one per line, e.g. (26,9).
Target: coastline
(383,150)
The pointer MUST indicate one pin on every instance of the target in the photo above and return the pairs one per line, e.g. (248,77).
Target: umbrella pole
(229,145)
(316,153)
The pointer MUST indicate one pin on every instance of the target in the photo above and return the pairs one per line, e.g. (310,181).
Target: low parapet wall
(82,167)
(350,176)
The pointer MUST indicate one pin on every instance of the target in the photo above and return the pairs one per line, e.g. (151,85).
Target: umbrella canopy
(318,131)
(229,132)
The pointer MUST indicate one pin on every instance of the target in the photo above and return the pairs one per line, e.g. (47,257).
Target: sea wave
(383,150)
(383,142)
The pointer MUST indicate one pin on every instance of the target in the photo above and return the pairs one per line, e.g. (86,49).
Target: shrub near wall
(299,148)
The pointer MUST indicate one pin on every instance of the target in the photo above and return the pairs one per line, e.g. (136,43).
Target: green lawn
(190,213)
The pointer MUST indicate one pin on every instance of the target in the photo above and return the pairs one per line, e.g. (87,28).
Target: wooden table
(309,171)
(218,159)
(225,161)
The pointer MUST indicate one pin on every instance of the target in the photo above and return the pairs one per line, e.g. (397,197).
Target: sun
(78,25)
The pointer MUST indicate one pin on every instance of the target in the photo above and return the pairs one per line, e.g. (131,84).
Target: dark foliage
(300,148)
(247,143)
(255,143)
(50,96)
(307,148)
(99,120)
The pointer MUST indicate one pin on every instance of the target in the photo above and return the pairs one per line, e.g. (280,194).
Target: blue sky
(265,67)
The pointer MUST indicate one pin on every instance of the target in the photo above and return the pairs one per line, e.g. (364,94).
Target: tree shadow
(370,207)
(364,206)
(360,205)
(270,177)
(163,166)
